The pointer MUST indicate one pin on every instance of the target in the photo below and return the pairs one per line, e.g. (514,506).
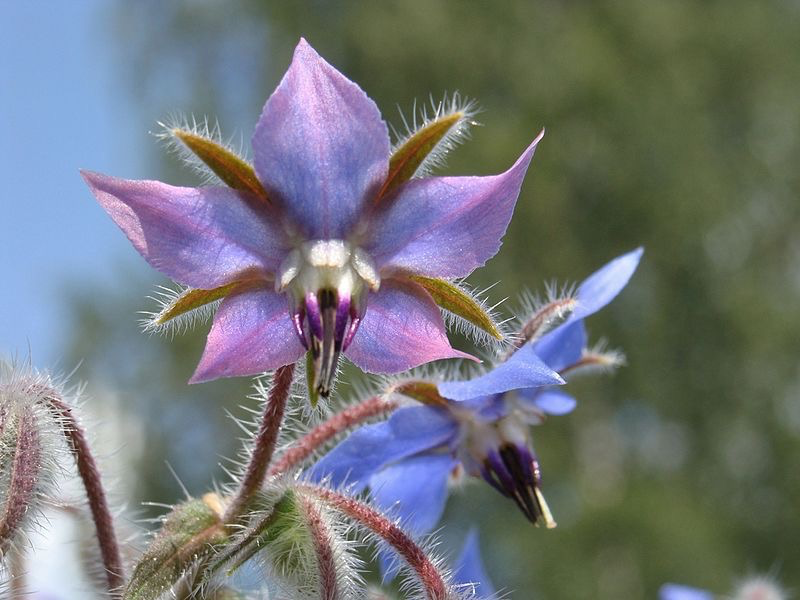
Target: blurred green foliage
(672,125)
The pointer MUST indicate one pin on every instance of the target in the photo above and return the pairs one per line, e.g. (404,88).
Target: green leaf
(412,153)
(190,533)
(229,167)
(457,301)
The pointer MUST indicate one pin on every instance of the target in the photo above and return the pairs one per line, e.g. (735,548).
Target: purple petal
(407,432)
(523,370)
(252,333)
(671,591)
(321,148)
(200,237)
(602,286)
(563,346)
(414,489)
(402,328)
(551,402)
(447,226)
(470,569)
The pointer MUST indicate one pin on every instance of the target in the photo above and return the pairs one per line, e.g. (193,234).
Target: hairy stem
(321,536)
(353,415)
(263,444)
(429,575)
(92,483)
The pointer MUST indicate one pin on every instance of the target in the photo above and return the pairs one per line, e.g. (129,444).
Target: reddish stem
(263,444)
(321,536)
(314,439)
(92,483)
(430,577)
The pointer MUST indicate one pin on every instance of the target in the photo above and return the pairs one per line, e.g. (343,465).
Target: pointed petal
(563,346)
(407,432)
(402,328)
(671,591)
(470,569)
(321,148)
(252,333)
(523,370)
(551,402)
(602,286)
(447,226)
(200,237)
(415,491)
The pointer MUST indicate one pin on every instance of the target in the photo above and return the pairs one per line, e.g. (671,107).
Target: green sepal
(191,533)
(311,377)
(230,168)
(191,299)
(279,530)
(425,392)
(455,300)
(409,156)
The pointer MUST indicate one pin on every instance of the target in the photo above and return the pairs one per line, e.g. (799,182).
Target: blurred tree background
(672,125)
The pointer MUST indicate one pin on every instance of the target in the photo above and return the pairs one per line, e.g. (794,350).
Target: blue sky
(62,108)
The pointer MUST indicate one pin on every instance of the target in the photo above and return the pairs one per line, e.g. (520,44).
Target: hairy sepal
(232,169)
(425,146)
(191,533)
(457,301)
(304,551)
(181,309)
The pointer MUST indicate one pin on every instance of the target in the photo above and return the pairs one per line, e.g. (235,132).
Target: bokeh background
(672,125)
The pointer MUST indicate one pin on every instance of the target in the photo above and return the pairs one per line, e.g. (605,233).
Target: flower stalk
(324,432)
(93,485)
(264,444)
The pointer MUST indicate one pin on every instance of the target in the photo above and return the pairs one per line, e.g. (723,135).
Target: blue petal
(551,402)
(672,591)
(523,370)
(602,286)
(563,346)
(408,431)
(414,489)
(470,569)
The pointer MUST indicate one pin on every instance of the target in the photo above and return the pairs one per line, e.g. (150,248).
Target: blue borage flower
(320,251)
(476,425)
(470,572)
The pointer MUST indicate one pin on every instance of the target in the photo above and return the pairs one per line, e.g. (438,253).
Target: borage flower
(481,425)
(330,223)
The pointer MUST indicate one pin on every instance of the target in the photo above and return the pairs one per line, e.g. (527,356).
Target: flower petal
(321,149)
(252,333)
(523,370)
(563,346)
(602,286)
(200,237)
(672,591)
(402,328)
(470,569)
(447,226)
(414,489)
(407,432)
(551,402)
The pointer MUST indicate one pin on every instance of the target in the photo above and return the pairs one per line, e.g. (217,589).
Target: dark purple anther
(342,318)
(514,472)
(314,316)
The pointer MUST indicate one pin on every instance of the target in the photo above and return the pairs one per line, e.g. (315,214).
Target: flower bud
(29,447)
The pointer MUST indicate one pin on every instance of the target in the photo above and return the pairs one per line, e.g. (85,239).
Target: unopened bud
(29,447)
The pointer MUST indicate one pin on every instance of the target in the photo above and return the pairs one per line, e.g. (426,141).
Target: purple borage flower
(327,241)
(672,591)
(478,425)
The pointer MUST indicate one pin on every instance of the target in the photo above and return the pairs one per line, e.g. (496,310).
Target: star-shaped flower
(478,425)
(320,251)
